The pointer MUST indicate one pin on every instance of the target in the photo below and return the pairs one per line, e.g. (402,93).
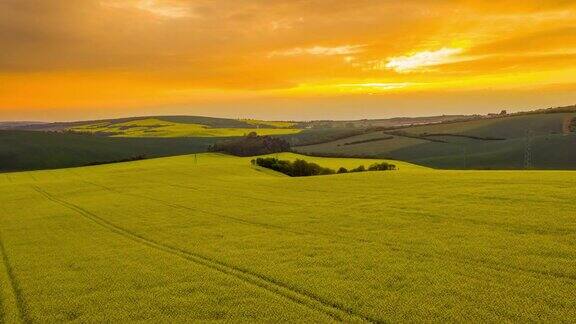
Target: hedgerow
(302,168)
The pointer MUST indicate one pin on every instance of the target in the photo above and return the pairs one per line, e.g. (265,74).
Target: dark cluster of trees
(251,145)
(302,168)
(298,168)
(383,166)
(130,159)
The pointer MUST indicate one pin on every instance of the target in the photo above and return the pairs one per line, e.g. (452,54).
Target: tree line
(302,168)
(251,145)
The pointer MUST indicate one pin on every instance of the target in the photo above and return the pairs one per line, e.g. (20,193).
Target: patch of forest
(251,145)
(302,168)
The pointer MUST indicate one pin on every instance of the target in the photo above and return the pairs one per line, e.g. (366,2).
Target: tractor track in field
(14,286)
(196,189)
(272,285)
(234,219)
(33,177)
(196,210)
(392,247)
(481,263)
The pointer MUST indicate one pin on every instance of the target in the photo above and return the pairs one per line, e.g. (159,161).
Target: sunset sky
(283,59)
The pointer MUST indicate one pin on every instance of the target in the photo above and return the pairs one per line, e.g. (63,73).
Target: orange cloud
(107,53)
(320,50)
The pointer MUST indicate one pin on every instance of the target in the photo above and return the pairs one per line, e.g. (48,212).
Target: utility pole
(528,163)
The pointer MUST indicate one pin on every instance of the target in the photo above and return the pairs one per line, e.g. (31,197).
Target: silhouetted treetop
(302,168)
(251,145)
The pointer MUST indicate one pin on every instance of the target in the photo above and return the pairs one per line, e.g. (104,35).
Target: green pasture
(34,150)
(274,124)
(154,127)
(506,127)
(499,143)
(212,238)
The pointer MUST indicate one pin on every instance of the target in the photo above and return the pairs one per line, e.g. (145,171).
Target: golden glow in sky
(424,59)
(283,59)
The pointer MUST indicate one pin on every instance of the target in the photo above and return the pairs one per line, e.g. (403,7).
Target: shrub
(359,169)
(301,168)
(383,166)
(326,171)
(342,170)
(298,168)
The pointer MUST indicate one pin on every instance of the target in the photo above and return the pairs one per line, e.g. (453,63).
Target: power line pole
(528,163)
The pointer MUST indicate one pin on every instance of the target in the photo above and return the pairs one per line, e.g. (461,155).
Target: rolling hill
(493,143)
(35,146)
(163,126)
(449,142)
(18,124)
(211,122)
(33,150)
(154,127)
(212,238)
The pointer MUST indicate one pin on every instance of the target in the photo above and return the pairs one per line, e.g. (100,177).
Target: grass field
(154,127)
(264,124)
(31,150)
(36,150)
(495,143)
(182,239)
(212,122)
(445,145)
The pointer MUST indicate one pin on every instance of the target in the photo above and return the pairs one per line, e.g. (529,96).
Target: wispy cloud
(320,51)
(153,7)
(158,47)
(419,60)
(377,85)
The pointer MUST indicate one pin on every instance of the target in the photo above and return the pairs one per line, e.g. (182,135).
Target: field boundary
(12,304)
(305,299)
(479,138)
(378,139)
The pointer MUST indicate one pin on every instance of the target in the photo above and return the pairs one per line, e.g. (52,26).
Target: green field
(32,150)
(212,238)
(498,143)
(481,143)
(154,127)
(274,124)
(36,150)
